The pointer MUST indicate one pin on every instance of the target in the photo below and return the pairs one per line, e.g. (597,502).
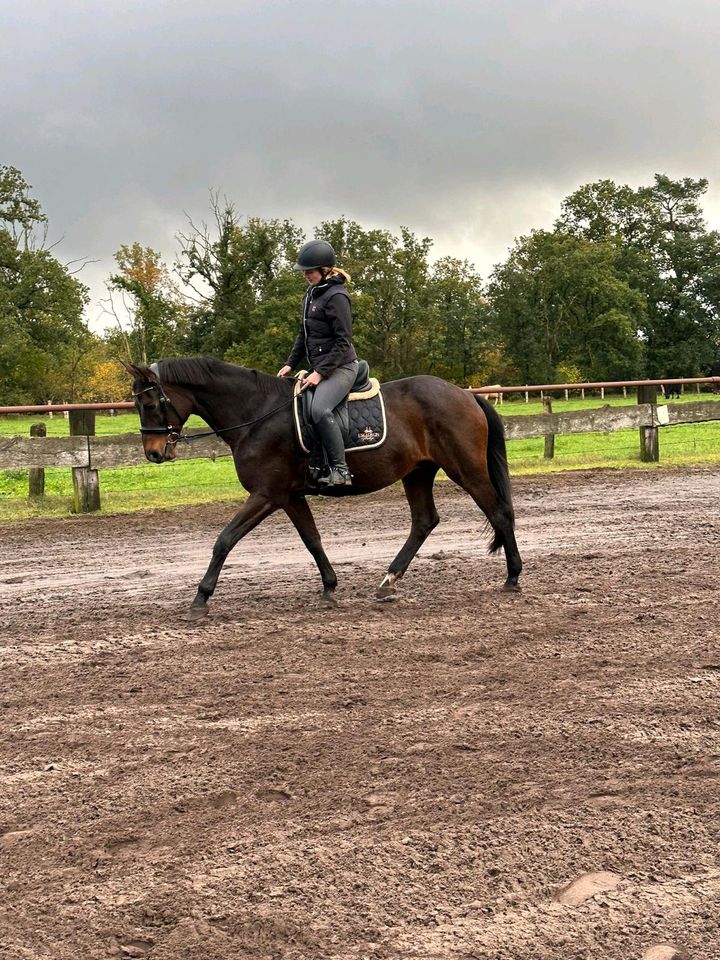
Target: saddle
(361,415)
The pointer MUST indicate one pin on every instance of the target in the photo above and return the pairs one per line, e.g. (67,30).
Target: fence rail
(125,450)
(609,419)
(526,388)
(597,385)
(86,453)
(94,453)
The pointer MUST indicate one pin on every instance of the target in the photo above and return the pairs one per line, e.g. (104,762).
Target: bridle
(173,434)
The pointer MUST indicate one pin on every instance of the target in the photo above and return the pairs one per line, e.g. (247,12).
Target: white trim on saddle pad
(366,395)
(296,408)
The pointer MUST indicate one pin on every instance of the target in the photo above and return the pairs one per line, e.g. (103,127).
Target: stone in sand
(586,887)
(662,951)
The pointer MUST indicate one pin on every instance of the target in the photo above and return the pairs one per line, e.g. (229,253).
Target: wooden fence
(87,454)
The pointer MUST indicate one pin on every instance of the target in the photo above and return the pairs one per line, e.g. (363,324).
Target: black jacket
(325,335)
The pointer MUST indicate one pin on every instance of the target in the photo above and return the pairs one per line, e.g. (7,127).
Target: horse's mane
(208,371)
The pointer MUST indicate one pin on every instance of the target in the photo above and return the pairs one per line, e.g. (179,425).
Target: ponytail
(335,272)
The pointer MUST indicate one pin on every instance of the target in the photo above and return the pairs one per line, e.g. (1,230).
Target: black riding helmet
(315,254)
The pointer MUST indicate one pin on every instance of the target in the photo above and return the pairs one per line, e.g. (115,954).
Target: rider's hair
(334,272)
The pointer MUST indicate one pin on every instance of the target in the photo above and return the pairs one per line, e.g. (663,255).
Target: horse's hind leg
(418,490)
(475,479)
(304,522)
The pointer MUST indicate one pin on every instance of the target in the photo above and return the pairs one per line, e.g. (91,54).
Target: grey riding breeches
(333,389)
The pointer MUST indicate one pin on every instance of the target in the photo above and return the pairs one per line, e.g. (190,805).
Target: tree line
(625,285)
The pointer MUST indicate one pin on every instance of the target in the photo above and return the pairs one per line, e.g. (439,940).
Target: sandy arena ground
(433,778)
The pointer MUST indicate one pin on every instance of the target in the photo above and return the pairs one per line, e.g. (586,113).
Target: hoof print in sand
(275,794)
(130,948)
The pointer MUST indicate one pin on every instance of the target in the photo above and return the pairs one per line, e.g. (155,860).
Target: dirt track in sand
(413,780)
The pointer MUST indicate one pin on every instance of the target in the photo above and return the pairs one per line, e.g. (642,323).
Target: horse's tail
(497,463)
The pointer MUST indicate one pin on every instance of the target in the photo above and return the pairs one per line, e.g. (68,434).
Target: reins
(188,438)
(174,436)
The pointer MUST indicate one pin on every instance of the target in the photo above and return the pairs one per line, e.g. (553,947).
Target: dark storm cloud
(464,120)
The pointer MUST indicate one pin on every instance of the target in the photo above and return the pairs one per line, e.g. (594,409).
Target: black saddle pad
(363,422)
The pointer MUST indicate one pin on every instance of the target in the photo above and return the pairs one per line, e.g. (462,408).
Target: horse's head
(163,412)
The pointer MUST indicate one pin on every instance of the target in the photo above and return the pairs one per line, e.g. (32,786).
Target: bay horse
(432,425)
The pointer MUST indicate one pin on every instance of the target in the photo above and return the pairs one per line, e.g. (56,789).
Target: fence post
(649,436)
(549,452)
(37,474)
(86,482)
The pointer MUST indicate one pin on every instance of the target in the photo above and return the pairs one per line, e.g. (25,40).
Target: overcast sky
(465,121)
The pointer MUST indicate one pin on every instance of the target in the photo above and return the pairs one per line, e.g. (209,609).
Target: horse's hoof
(387,589)
(194,614)
(387,597)
(329,600)
(511,588)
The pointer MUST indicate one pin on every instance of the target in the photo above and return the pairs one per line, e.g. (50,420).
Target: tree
(151,319)
(668,255)
(559,299)
(104,379)
(19,212)
(390,293)
(246,294)
(43,335)
(458,344)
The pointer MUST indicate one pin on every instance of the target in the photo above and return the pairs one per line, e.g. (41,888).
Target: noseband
(172,433)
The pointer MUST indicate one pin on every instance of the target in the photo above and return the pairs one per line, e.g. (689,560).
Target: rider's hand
(311,380)
(284,371)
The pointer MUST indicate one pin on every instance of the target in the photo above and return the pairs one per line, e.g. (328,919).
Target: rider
(325,336)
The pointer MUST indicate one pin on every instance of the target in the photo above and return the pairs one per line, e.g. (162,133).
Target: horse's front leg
(254,511)
(299,512)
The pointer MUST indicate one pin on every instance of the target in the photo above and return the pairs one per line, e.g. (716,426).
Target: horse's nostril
(154,456)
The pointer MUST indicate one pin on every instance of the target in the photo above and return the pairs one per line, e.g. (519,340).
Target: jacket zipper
(305,309)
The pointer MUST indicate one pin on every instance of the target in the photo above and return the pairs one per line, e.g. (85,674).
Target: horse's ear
(138,372)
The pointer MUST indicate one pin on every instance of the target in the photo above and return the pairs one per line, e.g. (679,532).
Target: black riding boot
(331,438)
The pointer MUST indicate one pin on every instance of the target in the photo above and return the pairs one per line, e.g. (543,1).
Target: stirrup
(337,477)
(314,473)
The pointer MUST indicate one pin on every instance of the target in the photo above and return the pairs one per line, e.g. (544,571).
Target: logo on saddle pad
(368,435)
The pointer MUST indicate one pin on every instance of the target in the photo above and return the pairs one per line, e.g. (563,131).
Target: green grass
(680,445)
(177,484)
(124,489)
(18,425)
